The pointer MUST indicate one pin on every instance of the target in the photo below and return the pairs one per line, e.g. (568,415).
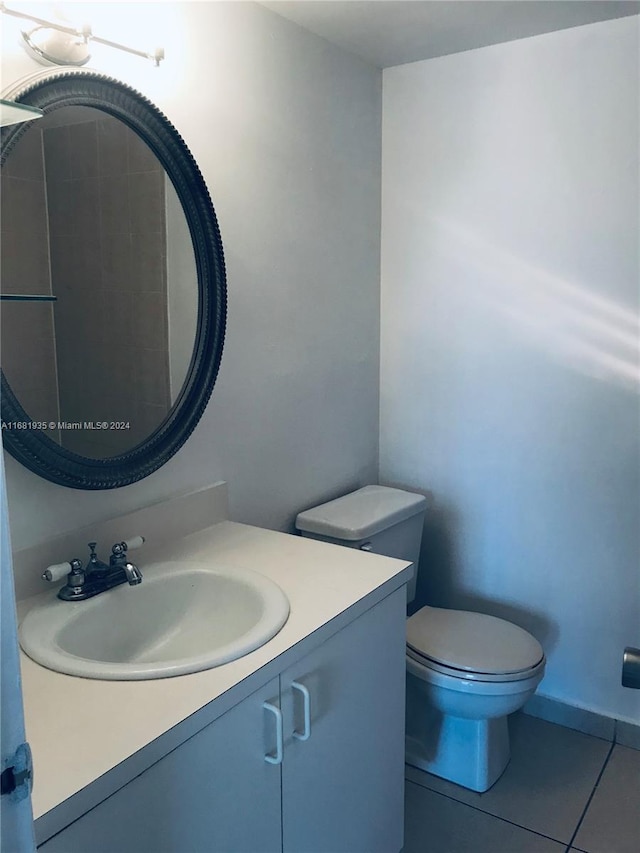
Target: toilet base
(471,753)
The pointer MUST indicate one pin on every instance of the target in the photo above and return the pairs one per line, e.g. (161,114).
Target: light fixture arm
(85,33)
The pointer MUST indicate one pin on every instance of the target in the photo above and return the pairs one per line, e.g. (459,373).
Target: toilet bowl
(466,672)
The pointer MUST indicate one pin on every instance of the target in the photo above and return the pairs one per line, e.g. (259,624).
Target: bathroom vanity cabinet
(313,760)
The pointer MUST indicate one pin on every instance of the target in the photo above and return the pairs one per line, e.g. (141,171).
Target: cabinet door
(213,794)
(343,786)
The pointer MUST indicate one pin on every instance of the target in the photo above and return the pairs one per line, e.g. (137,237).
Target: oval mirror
(112,281)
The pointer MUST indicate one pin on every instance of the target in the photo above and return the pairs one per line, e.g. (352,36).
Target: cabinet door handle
(306,734)
(277,758)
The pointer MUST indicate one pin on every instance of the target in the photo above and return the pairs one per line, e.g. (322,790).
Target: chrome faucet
(118,560)
(97,577)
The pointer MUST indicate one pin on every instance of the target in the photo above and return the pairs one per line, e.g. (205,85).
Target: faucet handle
(127,545)
(119,550)
(119,558)
(58,571)
(133,543)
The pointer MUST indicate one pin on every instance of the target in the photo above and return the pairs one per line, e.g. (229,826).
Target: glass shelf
(26,297)
(12,113)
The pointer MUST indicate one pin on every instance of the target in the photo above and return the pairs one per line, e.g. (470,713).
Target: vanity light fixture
(52,43)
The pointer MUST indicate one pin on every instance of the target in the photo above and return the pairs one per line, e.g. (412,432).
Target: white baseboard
(589,722)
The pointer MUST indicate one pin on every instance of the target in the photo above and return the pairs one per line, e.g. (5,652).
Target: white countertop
(80,729)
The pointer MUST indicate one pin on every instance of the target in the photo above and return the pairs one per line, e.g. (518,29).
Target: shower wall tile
(150,310)
(147,202)
(25,264)
(152,376)
(26,160)
(148,266)
(84,162)
(140,157)
(23,209)
(112,147)
(58,201)
(119,319)
(118,262)
(25,338)
(113,276)
(106,258)
(27,352)
(114,204)
(82,211)
(57,153)
(35,319)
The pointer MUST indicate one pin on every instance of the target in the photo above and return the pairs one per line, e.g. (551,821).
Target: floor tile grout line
(489,814)
(593,791)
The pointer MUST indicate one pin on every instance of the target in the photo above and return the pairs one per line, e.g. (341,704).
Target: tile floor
(562,791)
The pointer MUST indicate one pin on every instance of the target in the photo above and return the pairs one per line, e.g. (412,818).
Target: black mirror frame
(33,448)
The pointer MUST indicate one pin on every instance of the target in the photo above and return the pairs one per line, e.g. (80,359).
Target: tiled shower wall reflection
(27,336)
(108,267)
(83,217)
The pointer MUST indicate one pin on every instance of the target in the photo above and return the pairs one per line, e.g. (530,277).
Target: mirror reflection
(90,217)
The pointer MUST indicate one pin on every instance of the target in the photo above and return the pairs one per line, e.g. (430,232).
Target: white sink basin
(183,617)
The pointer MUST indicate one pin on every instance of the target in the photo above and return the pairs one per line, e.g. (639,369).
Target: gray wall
(509,305)
(510,329)
(286,130)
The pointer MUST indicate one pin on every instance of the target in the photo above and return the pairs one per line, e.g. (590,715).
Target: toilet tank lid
(361,514)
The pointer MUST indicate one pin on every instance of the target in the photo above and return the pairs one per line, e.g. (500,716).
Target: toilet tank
(375,518)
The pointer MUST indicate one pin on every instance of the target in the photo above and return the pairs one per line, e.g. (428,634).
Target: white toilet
(466,672)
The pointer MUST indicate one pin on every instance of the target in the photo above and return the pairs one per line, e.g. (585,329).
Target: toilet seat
(425,666)
(472,646)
